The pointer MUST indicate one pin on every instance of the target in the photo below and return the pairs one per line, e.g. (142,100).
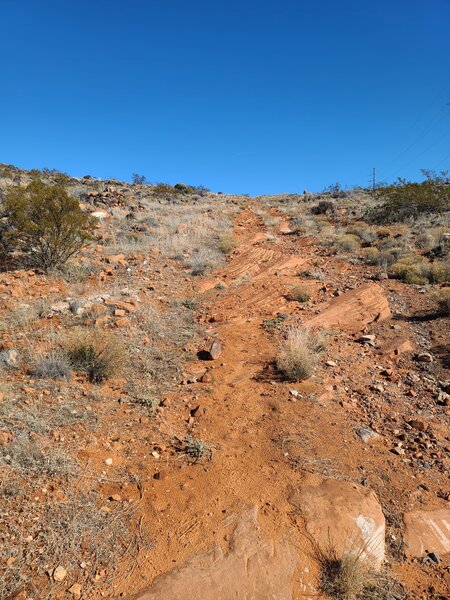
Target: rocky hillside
(267,414)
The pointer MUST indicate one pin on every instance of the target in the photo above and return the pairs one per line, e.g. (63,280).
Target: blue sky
(249,96)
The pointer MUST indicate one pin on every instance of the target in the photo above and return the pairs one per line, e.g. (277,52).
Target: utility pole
(373,179)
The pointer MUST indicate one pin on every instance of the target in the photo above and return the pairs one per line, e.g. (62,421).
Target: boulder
(354,310)
(427,531)
(251,567)
(345,517)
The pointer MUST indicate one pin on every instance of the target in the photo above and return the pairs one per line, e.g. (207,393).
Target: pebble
(59,574)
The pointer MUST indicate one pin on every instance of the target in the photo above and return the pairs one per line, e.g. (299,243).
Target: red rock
(213,351)
(344,515)
(354,310)
(252,566)
(427,531)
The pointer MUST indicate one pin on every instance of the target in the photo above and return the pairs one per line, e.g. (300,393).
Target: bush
(298,355)
(370,255)
(98,354)
(442,298)
(347,243)
(405,199)
(46,225)
(138,179)
(411,269)
(299,293)
(322,208)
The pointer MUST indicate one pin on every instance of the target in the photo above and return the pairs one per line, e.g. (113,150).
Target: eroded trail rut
(284,468)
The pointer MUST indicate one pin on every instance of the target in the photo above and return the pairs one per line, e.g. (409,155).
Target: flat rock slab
(252,568)
(354,310)
(345,517)
(427,531)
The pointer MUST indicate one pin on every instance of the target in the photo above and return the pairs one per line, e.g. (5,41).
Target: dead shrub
(299,293)
(298,354)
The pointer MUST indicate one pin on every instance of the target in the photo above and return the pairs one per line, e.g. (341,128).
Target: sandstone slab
(251,568)
(345,517)
(427,531)
(354,310)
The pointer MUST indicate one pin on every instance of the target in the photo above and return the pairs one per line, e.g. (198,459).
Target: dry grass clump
(55,365)
(298,354)
(370,255)
(226,243)
(364,232)
(349,577)
(299,293)
(99,354)
(347,242)
(442,298)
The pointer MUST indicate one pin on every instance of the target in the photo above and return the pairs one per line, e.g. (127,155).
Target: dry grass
(227,243)
(298,354)
(442,298)
(99,354)
(298,293)
(347,242)
(349,577)
(69,532)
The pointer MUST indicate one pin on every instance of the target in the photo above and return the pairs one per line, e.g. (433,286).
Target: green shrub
(439,272)
(442,298)
(406,199)
(411,269)
(45,225)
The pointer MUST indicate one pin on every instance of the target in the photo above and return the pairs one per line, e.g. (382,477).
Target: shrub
(226,243)
(46,225)
(98,354)
(411,269)
(298,354)
(138,179)
(366,234)
(370,255)
(299,293)
(439,272)
(442,298)
(405,199)
(322,208)
(346,243)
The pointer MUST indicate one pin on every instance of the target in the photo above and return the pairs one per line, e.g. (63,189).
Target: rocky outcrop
(252,567)
(354,310)
(345,517)
(427,531)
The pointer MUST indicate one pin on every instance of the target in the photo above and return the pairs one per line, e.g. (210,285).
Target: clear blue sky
(248,96)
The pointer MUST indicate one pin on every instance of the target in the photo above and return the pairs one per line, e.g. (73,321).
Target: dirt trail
(267,444)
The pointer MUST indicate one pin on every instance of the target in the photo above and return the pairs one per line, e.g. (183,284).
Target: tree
(138,179)
(46,226)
